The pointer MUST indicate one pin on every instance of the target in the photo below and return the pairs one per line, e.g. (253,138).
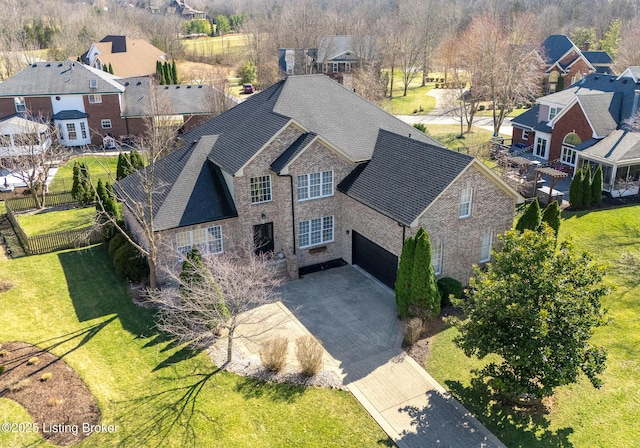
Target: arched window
(568,153)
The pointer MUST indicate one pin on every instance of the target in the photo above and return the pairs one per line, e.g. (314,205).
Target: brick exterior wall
(38,106)
(573,120)
(517,136)
(7,107)
(109,108)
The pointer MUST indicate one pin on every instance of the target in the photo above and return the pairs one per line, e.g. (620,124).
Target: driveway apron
(355,317)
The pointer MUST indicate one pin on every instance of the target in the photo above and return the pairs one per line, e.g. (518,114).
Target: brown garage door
(377,261)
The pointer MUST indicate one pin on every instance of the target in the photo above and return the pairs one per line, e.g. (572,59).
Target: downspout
(404,231)
(293,212)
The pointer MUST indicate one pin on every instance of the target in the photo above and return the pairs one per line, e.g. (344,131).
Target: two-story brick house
(313,172)
(86,104)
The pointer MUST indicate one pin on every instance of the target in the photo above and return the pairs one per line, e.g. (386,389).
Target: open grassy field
(231,45)
(158,394)
(417,98)
(100,167)
(579,415)
(49,222)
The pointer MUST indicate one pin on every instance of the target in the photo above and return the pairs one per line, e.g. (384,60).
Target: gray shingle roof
(342,118)
(598,57)
(404,176)
(296,147)
(527,119)
(602,111)
(617,147)
(190,189)
(59,78)
(175,99)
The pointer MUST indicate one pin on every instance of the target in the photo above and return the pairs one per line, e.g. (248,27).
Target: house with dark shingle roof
(566,64)
(587,122)
(86,104)
(312,172)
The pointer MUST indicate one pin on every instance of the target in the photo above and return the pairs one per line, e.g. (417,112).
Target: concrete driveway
(355,317)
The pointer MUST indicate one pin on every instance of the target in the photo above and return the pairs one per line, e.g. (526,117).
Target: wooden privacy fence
(51,199)
(50,242)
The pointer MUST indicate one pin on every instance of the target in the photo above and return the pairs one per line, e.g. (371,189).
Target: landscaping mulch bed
(420,350)
(57,399)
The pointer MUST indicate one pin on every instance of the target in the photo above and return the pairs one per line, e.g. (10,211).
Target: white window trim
(538,144)
(322,240)
(525,134)
(436,263)
(95,98)
(347,67)
(486,243)
(555,112)
(182,250)
(336,67)
(467,203)
(567,154)
(308,186)
(83,130)
(20,104)
(264,194)
(107,122)
(71,128)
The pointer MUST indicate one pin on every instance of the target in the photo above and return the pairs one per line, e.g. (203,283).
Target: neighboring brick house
(127,57)
(86,104)
(578,123)
(566,64)
(314,173)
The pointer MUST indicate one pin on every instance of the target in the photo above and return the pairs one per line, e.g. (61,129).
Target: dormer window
(93,83)
(553,111)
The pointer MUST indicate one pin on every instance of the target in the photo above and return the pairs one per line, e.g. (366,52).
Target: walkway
(355,318)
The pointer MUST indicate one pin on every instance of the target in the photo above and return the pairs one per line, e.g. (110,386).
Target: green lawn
(49,222)
(417,97)
(580,416)
(211,47)
(158,394)
(100,167)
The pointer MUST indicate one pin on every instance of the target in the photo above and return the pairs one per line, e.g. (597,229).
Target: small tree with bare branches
(216,297)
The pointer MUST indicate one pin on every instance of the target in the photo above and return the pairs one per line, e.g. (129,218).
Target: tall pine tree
(596,186)
(425,297)
(403,280)
(575,189)
(586,187)
(551,216)
(174,72)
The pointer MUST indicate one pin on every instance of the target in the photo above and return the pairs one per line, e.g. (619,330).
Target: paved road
(355,318)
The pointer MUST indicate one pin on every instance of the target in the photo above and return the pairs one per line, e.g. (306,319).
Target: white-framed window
(485,246)
(553,111)
(436,258)
(347,67)
(95,99)
(525,135)
(335,67)
(71,131)
(315,231)
(541,147)
(315,185)
(20,104)
(261,189)
(324,68)
(83,130)
(568,156)
(465,202)
(105,123)
(207,240)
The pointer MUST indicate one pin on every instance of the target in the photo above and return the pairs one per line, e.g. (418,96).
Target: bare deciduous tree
(228,287)
(30,153)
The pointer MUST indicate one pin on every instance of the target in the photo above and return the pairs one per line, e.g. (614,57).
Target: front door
(263,237)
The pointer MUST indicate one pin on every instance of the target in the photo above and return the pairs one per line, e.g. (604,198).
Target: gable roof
(129,57)
(190,190)
(59,78)
(527,119)
(619,146)
(292,151)
(404,176)
(554,47)
(598,57)
(177,99)
(602,110)
(632,72)
(318,104)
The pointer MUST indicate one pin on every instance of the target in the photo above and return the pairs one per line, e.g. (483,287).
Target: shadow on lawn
(186,352)
(254,388)
(85,334)
(174,411)
(97,291)
(515,427)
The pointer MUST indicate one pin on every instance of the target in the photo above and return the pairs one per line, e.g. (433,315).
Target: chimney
(586,45)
